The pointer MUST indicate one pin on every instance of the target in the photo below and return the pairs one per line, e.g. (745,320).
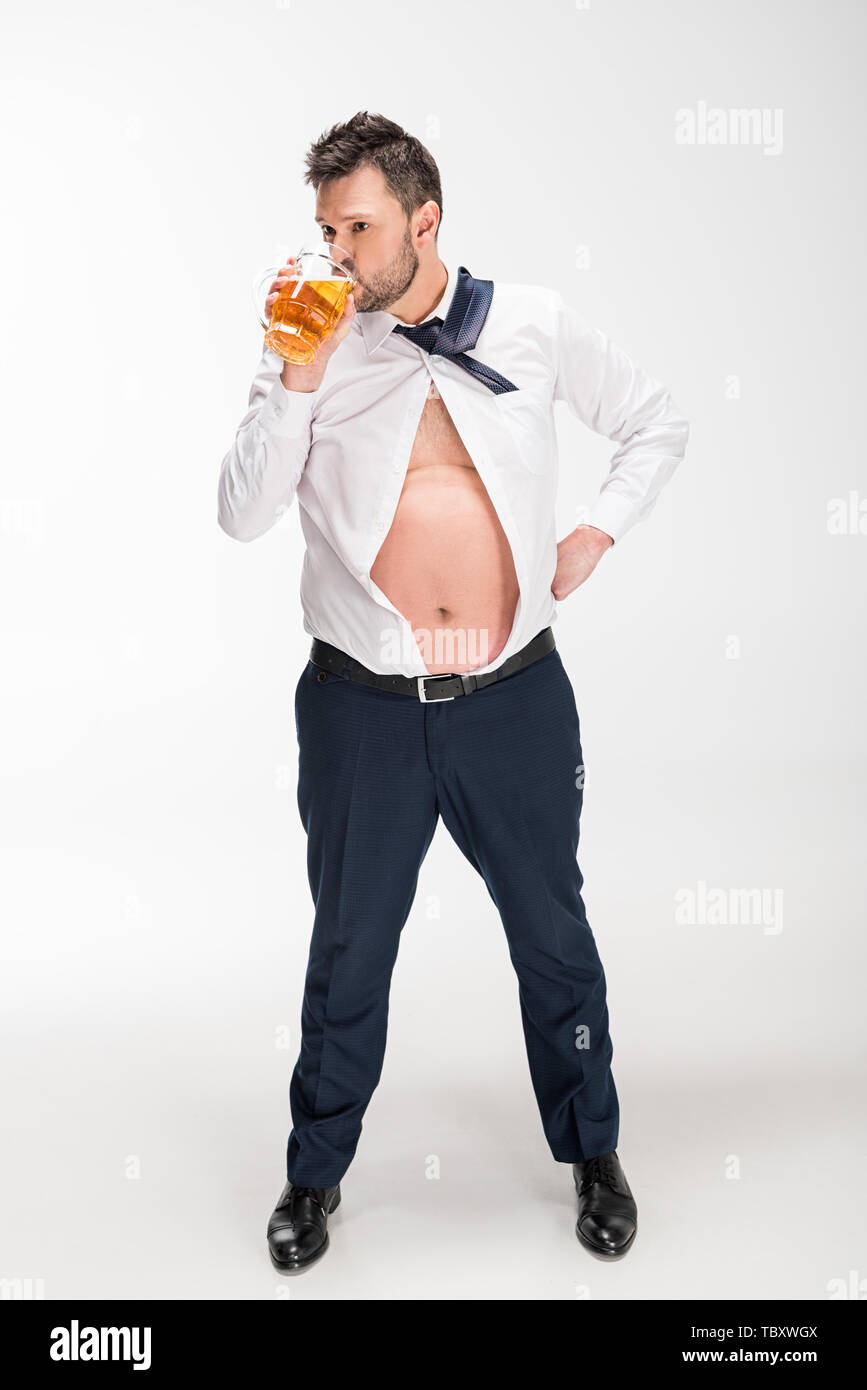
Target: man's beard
(385,287)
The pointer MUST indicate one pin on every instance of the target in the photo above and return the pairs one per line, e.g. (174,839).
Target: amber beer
(305,313)
(309,305)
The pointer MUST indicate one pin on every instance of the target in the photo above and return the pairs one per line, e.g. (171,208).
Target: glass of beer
(309,305)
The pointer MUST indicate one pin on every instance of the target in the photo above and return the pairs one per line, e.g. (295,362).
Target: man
(421,447)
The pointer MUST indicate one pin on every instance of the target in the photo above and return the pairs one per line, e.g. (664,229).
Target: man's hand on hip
(577,558)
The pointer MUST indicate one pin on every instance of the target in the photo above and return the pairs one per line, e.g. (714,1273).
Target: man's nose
(350,262)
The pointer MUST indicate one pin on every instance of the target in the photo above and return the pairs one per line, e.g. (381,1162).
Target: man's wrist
(599,537)
(293,381)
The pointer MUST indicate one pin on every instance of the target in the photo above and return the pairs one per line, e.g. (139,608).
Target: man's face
(360,214)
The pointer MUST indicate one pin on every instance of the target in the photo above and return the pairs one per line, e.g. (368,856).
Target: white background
(155,903)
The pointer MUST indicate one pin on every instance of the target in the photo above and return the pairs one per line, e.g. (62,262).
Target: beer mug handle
(257,292)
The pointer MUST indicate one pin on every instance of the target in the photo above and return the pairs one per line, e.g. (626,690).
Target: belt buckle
(421,691)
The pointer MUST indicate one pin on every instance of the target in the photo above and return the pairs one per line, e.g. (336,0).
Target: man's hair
(409,169)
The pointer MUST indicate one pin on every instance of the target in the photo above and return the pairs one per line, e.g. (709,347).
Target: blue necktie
(460,332)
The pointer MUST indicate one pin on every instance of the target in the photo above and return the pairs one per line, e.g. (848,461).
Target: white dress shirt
(343,451)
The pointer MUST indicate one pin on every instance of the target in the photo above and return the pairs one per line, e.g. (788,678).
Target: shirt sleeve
(615,397)
(259,475)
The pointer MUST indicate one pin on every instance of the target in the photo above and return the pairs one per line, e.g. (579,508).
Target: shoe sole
(299,1266)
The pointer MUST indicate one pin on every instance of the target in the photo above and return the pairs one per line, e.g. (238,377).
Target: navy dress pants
(503,767)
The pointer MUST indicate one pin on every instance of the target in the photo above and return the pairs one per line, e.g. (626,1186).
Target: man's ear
(428,221)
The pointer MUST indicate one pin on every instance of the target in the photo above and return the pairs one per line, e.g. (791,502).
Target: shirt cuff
(285,412)
(613,514)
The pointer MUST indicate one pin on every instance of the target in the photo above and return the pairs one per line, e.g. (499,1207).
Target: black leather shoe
(298,1226)
(607,1213)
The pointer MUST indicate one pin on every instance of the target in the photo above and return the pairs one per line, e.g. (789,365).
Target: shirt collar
(376,327)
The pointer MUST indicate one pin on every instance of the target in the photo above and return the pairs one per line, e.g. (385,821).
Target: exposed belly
(446,563)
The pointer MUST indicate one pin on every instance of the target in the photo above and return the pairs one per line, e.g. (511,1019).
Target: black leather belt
(428,688)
